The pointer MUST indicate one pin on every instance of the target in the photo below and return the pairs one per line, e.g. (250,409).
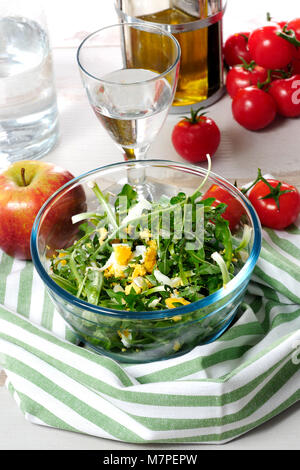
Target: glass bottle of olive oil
(200,39)
(193,78)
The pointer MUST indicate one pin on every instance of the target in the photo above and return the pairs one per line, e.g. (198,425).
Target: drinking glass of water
(28,110)
(130,92)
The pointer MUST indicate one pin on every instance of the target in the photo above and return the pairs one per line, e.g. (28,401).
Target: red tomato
(195,137)
(236,46)
(268,212)
(268,49)
(281,73)
(286,93)
(234,210)
(295,26)
(281,24)
(241,77)
(295,66)
(253,108)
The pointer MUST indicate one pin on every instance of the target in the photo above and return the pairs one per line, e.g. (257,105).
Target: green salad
(136,255)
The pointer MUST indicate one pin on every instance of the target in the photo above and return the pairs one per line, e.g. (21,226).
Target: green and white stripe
(212,394)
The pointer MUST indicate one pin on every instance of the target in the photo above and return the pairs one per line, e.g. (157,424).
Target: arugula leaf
(181,197)
(223,234)
(127,193)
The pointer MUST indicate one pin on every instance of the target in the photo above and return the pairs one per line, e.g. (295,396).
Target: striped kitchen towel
(212,394)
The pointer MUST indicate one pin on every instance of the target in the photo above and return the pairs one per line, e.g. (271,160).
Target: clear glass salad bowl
(142,336)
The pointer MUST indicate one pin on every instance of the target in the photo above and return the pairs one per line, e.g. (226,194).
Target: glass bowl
(131,336)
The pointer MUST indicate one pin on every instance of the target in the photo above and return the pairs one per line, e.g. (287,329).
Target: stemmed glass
(129,91)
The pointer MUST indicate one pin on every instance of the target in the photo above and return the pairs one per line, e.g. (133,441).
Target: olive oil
(200,67)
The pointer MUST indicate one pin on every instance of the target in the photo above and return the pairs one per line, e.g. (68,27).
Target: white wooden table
(85,145)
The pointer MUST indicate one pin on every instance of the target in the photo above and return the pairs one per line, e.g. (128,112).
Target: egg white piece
(140,250)
(126,338)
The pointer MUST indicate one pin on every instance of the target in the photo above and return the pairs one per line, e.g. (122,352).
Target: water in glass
(28,110)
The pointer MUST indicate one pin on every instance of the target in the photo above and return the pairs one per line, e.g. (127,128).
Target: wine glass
(129,91)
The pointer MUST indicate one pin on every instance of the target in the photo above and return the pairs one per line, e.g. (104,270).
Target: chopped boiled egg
(126,337)
(176,300)
(62,262)
(139,270)
(123,254)
(103,234)
(117,262)
(140,250)
(115,271)
(138,284)
(150,256)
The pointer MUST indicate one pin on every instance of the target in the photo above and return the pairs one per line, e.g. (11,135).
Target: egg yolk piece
(150,256)
(176,300)
(139,270)
(123,254)
(114,271)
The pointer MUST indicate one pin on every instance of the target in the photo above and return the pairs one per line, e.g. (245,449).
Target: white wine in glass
(130,96)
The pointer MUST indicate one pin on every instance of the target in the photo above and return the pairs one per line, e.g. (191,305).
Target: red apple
(24,187)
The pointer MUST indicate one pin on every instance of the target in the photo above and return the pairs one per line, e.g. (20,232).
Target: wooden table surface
(85,145)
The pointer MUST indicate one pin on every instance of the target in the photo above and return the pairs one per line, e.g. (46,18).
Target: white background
(70,20)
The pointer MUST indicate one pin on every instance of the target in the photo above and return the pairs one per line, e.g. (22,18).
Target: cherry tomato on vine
(281,24)
(196,136)
(277,204)
(286,93)
(284,73)
(268,49)
(236,46)
(295,66)
(253,108)
(294,25)
(234,210)
(244,75)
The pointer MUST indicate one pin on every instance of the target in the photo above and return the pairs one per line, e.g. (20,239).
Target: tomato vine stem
(274,193)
